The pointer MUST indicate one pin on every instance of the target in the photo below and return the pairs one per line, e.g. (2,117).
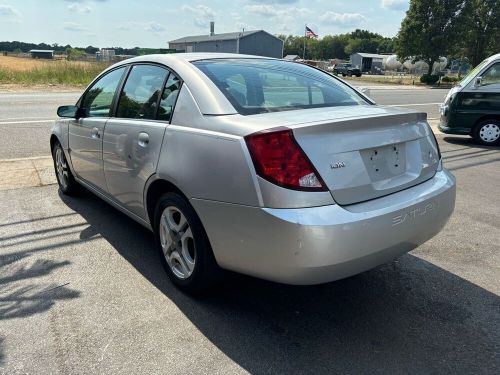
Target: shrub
(429,79)
(448,79)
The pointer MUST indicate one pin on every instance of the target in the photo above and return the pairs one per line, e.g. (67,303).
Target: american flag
(310,33)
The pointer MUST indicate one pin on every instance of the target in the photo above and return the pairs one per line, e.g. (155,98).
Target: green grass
(54,73)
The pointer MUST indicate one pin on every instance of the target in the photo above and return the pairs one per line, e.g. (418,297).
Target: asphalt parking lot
(82,291)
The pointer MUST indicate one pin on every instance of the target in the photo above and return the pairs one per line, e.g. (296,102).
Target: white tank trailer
(391,62)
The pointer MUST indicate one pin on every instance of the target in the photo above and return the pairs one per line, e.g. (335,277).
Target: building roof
(291,57)
(42,50)
(371,55)
(206,38)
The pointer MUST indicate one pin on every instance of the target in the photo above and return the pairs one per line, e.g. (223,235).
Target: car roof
(494,57)
(192,56)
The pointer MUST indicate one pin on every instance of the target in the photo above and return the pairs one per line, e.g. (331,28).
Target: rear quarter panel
(206,164)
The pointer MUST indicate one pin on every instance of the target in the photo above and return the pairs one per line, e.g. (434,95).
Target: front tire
(65,178)
(487,132)
(183,245)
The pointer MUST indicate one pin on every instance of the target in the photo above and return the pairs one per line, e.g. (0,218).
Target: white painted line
(28,158)
(411,105)
(24,122)
(26,118)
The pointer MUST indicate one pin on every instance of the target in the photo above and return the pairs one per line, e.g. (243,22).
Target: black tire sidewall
(205,268)
(478,127)
(71,186)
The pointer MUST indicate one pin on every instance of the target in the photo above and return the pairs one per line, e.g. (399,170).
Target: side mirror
(69,111)
(477,82)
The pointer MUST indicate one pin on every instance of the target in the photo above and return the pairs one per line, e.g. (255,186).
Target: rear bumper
(321,244)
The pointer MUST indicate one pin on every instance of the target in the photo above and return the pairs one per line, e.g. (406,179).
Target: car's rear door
(85,133)
(133,137)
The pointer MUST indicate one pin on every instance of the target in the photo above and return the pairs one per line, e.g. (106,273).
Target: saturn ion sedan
(266,167)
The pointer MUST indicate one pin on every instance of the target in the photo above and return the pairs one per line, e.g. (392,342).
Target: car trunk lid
(374,153)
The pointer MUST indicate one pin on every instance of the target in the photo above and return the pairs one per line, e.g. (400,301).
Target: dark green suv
(473,106)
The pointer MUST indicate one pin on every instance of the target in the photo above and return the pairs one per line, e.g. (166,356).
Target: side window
(168,97)
(492,75)
(97,101)
(139,98)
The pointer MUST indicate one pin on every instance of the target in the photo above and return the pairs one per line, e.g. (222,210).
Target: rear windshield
(258,85)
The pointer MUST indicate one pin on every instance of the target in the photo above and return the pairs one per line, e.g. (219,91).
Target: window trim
(122,85)
(97,79)
(486,70)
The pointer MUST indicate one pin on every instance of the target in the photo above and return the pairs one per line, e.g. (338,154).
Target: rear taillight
(279,159)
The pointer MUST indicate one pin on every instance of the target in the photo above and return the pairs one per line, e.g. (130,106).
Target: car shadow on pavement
(22,294)
(461,140)
(408,316)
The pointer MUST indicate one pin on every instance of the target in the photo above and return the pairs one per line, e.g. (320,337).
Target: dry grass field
(27,71)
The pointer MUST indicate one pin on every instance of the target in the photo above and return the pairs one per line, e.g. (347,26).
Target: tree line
(339,46)
(18,47)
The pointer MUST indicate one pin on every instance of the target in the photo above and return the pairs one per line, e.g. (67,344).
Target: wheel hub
(177,242)
(489,133)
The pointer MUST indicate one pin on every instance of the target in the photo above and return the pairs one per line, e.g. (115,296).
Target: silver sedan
(261,166)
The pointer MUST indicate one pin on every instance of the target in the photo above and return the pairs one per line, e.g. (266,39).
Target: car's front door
(133,138)
(482,98)
(85,133)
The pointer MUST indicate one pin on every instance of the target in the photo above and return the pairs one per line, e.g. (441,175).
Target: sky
(152,23)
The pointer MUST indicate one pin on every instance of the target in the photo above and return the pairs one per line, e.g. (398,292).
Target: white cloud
(262,10)
(275,1)
(154,27)
(7,10)
(73,26)
(272,11)
(346,19)
(79,8)
(395,4)
(202,14)
(151,26)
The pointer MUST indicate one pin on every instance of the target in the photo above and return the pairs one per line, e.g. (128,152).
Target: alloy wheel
(62,168)
(177,242)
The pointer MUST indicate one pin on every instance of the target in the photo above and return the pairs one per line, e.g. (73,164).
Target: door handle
(143,139)
(94,133)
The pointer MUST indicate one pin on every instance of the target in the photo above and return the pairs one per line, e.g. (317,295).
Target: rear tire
(65,179)
(183,245)
(487,132)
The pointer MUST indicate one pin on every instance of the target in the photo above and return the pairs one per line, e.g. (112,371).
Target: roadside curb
(26,172)
(434,125)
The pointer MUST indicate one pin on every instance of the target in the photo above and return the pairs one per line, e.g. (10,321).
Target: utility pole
(305,37)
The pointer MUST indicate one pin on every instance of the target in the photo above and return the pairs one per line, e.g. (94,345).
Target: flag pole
(305,37)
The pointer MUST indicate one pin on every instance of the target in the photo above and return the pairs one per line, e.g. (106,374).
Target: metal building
(368,62)
(256,42)
(42,53)
(105,54)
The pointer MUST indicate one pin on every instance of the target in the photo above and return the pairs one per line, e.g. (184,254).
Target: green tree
(431,29)
(74,53)
(482,31)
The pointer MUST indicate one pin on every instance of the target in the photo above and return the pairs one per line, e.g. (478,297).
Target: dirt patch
(14,87)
